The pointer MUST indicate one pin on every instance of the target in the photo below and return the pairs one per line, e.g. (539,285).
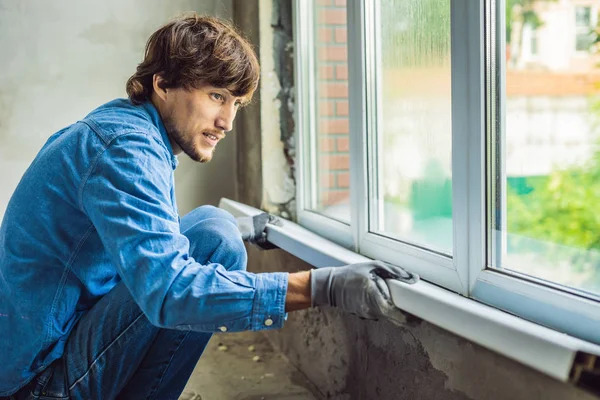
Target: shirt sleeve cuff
(268,311)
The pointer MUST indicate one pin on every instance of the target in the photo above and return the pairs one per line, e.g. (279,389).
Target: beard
(186,143)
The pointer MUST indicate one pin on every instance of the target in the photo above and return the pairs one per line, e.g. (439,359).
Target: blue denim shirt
(96,206)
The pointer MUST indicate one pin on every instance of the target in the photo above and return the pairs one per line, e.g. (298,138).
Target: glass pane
(332,147)
(412,188)
(583,16)
(547,176)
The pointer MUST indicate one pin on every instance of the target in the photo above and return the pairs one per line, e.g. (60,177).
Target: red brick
(333,53)
(326,108)
(341,72)
(326,145)
(340,3)
(341,35)
(343,144)
(330,197)
(326,72)
(333,16)
(335,162)
(341,108)
(326,180)
(324,35)
(333,90)
(333,126)
(343,180)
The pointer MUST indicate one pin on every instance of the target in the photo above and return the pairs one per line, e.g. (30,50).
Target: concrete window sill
(556,354)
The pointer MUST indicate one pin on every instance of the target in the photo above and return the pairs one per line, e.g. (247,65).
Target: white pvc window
(450,126)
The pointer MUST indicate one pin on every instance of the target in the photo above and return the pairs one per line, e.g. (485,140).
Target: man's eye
(218,96)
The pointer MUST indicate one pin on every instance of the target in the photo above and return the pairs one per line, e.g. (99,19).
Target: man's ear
(159,86)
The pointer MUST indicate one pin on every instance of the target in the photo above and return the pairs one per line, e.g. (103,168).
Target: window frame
(305,117)
(560,356)
(431,265)
(476,116)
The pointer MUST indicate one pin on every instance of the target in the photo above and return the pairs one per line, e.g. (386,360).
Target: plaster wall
(60,60)
(349,358)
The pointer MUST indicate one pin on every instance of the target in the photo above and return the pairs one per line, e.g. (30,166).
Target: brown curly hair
(194,50)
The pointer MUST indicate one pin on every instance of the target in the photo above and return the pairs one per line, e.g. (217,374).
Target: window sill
(553,353)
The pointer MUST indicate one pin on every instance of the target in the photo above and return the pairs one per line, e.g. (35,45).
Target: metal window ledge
(553,353)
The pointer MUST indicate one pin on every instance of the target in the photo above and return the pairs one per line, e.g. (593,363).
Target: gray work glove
(253,228)
(360,289)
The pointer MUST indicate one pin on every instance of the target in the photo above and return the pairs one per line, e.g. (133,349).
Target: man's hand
(253,229)
(360,289)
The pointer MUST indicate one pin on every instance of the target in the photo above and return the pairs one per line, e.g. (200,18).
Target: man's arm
(252,229)
(360,289)
(298,292)
(127,198)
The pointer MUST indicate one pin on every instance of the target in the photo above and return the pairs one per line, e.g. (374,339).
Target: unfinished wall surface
(277,104)
(62,59)
(348,358)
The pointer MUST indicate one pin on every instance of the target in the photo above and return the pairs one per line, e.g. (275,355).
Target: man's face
(197,119)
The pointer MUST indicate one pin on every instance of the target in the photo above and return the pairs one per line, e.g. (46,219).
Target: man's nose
(225,120)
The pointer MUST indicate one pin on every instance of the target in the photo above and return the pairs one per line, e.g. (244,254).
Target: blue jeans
(115,353)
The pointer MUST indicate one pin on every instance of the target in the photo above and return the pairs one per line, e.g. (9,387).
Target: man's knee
(217,240)
(202,213)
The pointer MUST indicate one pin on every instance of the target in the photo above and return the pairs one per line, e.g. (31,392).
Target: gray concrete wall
(61,59)
(349,358)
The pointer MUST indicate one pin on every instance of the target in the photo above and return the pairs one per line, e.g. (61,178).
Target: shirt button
(223,329)
(269,322)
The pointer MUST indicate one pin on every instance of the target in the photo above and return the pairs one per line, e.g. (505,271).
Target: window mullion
(501,228)
(467,144)
(476,128)
(496,174)
(311,100)
(460,121)
(305,190)
(357,92)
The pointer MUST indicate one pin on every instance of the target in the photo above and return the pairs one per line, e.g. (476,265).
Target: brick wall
(333,147)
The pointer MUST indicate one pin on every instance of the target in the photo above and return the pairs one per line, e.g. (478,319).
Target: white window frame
(473,105)
(330,228)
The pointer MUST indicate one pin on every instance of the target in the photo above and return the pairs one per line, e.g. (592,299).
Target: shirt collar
(157,121)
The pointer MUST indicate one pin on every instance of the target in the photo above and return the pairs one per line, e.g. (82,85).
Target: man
(104,292)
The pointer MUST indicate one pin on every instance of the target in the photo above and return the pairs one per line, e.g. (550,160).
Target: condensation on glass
(411,179)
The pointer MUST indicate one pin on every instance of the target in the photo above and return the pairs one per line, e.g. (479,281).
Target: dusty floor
(229,370)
